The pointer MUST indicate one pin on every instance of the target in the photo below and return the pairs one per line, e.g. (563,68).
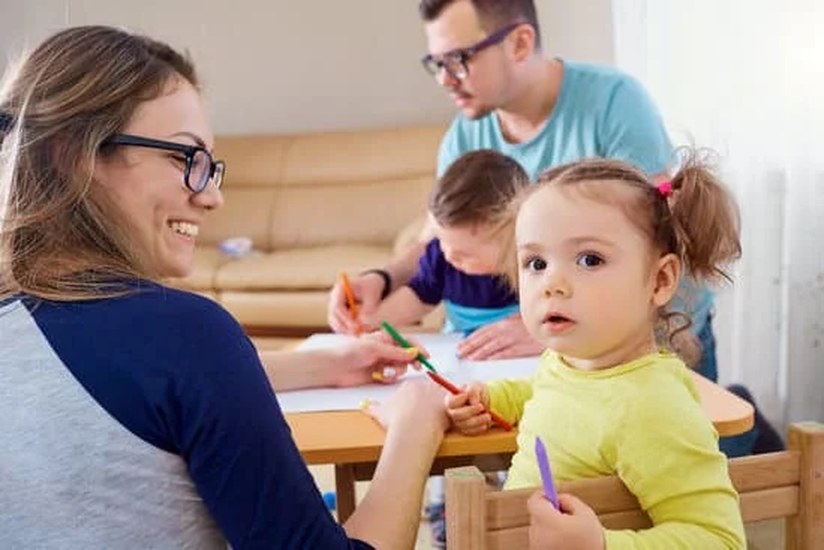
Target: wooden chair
(788,484)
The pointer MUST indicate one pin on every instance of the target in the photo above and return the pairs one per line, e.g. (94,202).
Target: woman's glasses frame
(215,171)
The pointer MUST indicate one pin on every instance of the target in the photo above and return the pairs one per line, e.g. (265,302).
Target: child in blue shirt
(463,265)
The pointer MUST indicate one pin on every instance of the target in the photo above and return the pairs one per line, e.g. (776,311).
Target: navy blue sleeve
(428,281)
(178,371)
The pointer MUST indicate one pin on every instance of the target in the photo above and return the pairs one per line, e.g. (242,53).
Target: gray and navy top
(146,421)
(471,301)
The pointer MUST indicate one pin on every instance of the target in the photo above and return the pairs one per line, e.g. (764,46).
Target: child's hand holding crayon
(468,410)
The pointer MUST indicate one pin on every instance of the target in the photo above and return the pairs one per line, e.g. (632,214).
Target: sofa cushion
(361,155)
(305,308)
(207,262)
(299,269)
(246,212)
(362,212)
(277,309)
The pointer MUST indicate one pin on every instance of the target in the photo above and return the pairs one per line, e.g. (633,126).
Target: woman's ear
(666,275)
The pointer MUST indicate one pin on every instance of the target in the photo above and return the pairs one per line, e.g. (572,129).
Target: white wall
(303,65)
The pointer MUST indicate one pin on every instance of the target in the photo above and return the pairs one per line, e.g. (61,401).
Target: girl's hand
(467,410)
(575,527)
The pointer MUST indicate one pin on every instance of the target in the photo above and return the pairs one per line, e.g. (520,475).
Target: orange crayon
(350,300)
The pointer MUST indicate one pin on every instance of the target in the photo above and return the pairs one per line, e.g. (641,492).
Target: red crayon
(453,389)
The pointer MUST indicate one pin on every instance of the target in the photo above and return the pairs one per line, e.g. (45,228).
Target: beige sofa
(314,205)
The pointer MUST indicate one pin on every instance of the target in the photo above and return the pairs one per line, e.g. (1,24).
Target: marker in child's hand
(454,390)
(546,473)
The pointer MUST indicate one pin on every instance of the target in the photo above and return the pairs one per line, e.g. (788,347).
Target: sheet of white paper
(442,354)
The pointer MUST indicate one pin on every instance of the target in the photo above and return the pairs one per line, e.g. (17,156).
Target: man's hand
(575,527)
(367,289)
(504,339)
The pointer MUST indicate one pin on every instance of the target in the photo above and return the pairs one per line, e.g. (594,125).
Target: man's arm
(405,264)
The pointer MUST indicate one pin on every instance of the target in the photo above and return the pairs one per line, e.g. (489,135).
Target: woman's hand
(373,358)
(416,404)
(468,410)
(575,527)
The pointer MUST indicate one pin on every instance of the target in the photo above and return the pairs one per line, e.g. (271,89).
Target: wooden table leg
(344,490)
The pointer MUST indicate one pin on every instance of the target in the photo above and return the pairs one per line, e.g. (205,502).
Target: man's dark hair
(494,14)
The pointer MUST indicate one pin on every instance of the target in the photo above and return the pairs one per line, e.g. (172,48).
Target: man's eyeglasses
(199,169)
(456,62)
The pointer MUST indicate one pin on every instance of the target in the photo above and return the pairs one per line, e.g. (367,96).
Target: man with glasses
(539,110)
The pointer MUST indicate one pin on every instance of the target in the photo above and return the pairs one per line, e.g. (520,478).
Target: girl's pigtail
(705,219)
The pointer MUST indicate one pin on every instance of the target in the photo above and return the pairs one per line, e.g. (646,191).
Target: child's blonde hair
(692,215)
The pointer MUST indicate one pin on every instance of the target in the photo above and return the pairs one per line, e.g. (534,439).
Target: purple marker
(546,472)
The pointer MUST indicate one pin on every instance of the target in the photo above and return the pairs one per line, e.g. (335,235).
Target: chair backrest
(788,484)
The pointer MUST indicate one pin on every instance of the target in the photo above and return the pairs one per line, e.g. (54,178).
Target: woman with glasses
(133,415)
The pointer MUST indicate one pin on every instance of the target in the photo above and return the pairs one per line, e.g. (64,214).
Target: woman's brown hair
(692,215)
(57,107)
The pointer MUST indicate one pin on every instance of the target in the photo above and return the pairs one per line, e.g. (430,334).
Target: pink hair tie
(665,188)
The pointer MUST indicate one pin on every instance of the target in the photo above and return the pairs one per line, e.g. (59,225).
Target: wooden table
(352,441)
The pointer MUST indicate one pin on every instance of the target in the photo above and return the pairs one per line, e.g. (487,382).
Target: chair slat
(751,473)
(508,539)
(629,519)
(770,503)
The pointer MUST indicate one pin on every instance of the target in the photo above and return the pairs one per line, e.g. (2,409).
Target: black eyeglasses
(456,62)
(200,167)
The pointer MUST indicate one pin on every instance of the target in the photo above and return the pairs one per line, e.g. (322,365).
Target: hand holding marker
(546,473)
(350,299)
(437,378)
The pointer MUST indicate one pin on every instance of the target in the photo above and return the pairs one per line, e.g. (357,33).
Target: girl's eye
(535,264)
(590,260)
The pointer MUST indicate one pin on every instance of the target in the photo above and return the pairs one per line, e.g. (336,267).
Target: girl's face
(147,186)
(474,250)
(590,284)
